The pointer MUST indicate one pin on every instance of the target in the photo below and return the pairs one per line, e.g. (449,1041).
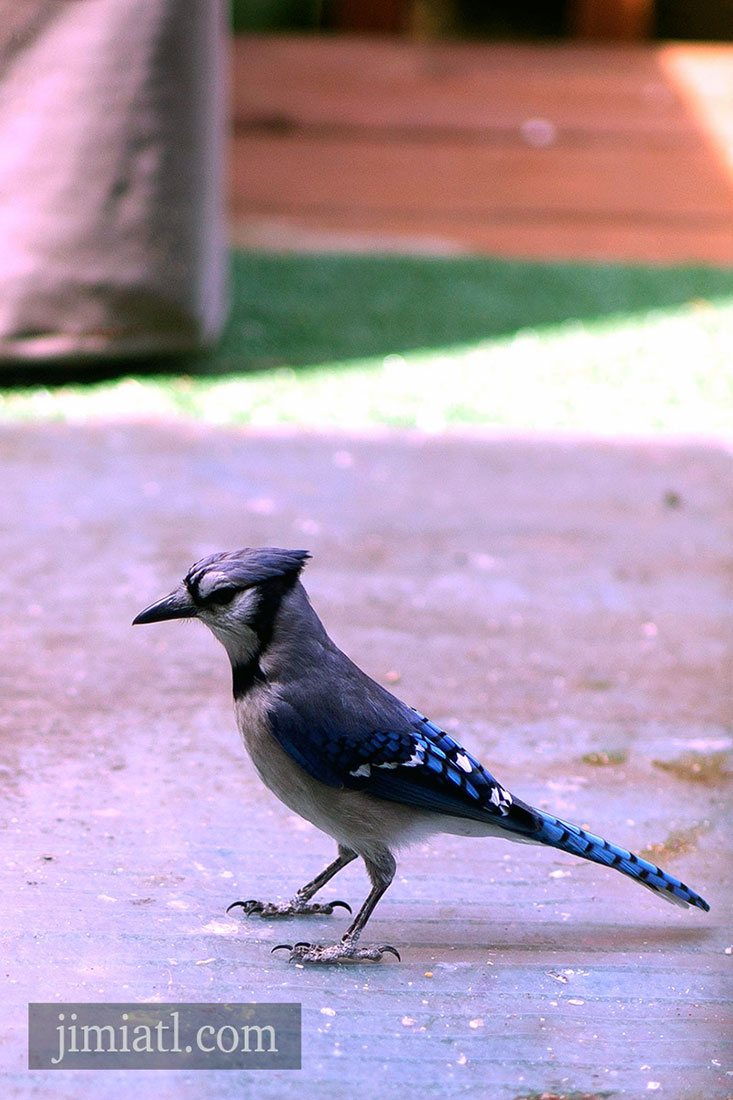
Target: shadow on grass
(297,310)
(307,309)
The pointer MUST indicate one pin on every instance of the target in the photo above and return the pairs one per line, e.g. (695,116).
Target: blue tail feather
(571,838)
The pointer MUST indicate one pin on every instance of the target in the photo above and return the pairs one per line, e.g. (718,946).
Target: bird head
(236,594)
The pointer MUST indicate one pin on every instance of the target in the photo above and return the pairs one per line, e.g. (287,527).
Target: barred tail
(571,838)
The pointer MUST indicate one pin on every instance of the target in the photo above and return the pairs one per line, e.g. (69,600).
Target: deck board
(562,151)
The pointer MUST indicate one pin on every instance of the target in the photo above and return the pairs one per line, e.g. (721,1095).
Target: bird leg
(299,905)
(381,871)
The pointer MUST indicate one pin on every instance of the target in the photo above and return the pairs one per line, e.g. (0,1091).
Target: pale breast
(358,820)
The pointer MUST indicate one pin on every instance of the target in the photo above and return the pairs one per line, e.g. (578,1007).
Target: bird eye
(221,595)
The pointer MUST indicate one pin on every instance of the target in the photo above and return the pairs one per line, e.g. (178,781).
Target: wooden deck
(559,151)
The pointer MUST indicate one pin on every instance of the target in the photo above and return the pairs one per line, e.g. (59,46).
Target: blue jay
(344,753)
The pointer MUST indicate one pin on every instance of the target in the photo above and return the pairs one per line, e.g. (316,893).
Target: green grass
(356,342)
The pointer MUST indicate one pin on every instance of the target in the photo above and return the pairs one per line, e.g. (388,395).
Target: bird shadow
(555,936)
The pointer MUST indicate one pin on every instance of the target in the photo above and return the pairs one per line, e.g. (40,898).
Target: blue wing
(418,764)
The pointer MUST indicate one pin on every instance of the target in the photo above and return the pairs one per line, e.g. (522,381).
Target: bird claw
(249,906)
(328,906)
(294,908)
(336,952)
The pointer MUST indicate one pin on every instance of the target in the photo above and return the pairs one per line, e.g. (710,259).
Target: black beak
(178,605)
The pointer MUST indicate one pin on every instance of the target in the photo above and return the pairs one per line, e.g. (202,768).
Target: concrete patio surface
(562,605)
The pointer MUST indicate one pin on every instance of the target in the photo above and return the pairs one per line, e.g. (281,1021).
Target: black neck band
(245,676)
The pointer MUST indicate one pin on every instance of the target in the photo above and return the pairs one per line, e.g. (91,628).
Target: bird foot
(298,907)
(345,951)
